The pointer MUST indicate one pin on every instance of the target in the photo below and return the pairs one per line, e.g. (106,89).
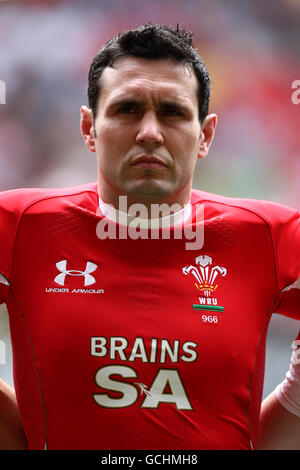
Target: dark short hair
(153,42)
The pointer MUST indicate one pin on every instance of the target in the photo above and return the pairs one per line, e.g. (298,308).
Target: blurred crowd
(251,50)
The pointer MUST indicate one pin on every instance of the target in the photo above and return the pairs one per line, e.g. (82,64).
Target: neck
(159,215)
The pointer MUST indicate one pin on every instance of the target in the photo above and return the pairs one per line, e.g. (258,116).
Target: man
(124,335)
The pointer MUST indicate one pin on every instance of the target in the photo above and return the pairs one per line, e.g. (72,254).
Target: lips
(148,161)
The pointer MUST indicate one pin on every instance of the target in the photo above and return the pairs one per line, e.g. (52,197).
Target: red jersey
(141,343)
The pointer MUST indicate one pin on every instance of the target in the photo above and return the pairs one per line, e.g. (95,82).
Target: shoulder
(14,203)
(18,204)
(271,213)
(32,205)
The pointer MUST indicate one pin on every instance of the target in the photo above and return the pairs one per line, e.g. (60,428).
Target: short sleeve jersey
(143,341)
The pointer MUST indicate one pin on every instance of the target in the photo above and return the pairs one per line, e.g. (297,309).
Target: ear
(87,129)
(207,134)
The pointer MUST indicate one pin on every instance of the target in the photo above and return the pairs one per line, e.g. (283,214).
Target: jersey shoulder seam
(32,203)
(265,219)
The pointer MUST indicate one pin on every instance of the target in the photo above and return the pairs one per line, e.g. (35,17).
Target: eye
(128,109)
(171,111)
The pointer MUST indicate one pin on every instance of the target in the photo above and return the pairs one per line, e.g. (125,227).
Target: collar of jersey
(122,218)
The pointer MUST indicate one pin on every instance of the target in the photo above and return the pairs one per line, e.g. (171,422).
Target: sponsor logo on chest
(87,279)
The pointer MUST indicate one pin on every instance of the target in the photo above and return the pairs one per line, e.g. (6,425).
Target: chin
(155,191)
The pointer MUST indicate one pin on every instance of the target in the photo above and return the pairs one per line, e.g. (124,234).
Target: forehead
(150,78)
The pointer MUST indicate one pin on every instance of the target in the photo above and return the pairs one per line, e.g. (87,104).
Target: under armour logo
(62,267)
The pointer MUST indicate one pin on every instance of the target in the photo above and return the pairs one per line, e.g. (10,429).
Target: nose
(149,131)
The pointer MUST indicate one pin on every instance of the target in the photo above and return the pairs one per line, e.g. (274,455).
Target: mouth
(148,161)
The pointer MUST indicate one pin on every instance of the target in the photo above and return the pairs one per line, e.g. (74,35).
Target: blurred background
(252,52)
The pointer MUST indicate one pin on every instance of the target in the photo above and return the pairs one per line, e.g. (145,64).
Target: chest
(156,297)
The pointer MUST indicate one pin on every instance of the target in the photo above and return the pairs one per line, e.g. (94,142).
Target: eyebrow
(128,101)
(141,103)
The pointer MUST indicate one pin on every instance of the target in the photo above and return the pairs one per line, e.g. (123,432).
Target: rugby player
(123,335)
